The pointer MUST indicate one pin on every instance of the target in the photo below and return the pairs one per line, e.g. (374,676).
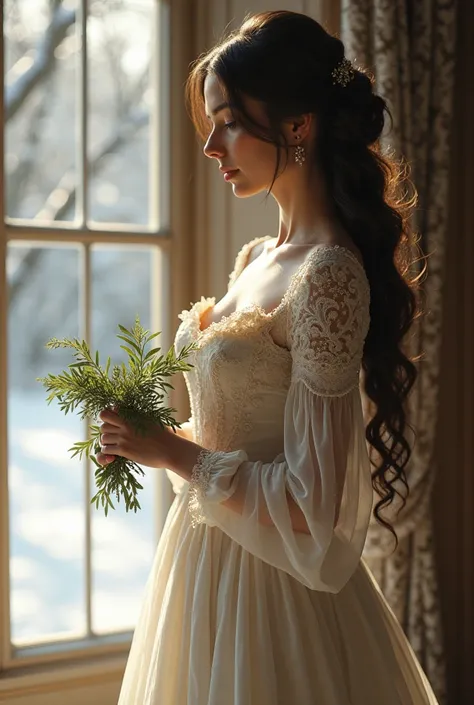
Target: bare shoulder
(256,250)
(247,253)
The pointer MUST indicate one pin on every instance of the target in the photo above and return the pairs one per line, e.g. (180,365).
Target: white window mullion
(160,76)
(23,230)
(5,646)
(82,200)
(160,178)
(154,175)
(85,303)
(82,211)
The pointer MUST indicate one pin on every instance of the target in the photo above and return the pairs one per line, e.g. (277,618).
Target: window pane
(122,543)
(46,485)
(120,36)
(41,51)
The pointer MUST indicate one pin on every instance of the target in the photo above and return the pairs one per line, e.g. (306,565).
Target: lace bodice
(241,375)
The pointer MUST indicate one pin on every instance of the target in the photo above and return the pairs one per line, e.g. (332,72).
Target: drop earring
(300,154)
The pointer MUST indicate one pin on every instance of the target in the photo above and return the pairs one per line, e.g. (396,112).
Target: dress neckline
(268,316)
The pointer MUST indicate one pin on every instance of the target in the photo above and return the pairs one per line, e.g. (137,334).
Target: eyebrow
(218,109)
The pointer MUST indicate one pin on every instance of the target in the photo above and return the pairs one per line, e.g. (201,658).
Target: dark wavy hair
(285,59)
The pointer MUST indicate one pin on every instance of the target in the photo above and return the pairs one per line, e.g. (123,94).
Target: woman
(258,594)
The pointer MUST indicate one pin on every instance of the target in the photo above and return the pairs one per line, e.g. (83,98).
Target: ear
(298,128)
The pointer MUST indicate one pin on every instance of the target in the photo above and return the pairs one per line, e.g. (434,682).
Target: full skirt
(219,626)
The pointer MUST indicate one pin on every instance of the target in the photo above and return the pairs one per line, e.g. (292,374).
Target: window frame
(102,659)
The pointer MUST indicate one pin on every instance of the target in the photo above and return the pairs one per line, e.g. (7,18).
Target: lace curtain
(409,47)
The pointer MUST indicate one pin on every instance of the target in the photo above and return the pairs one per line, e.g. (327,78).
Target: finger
(103,459)
(109,450)
(107,428)
(110,417)
(111,439)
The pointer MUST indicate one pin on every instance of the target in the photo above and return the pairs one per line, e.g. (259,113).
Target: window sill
(42,679)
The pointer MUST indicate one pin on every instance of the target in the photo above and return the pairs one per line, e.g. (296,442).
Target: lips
(229,173)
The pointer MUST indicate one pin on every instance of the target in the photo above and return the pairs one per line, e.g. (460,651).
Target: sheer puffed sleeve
(307,512)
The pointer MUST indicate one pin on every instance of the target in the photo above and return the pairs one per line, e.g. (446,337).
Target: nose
(212,148)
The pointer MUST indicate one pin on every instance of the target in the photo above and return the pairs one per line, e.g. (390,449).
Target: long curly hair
(285,60)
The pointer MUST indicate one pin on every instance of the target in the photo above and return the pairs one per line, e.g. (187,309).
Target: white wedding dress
(239,608)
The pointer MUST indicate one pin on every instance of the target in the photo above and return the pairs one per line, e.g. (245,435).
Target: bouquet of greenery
(136,392)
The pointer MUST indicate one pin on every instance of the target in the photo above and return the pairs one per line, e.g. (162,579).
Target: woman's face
(252,160)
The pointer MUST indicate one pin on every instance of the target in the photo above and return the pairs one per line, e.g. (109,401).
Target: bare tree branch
(18,179)
(44,62)
(67,185)
(67,188)
(65,191)
(114,48)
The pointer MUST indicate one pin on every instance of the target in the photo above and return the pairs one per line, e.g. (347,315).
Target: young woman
(258,594)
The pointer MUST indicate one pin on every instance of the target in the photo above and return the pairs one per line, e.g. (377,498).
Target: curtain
(409,46)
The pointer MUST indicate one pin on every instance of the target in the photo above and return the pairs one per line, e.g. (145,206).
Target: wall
(454,488)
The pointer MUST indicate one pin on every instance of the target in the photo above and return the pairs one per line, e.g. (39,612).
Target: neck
(306,216)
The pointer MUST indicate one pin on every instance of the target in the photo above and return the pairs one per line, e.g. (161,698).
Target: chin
(246,190)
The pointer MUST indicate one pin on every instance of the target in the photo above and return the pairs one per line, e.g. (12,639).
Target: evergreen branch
(137,393)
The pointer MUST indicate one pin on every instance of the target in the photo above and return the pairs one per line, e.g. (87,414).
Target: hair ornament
(343,73)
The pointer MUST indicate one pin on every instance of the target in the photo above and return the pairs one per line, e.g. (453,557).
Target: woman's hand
(119,438)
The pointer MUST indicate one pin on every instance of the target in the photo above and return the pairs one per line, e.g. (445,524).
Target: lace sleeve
(328,320)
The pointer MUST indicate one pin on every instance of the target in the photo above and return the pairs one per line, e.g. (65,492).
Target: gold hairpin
(343,73)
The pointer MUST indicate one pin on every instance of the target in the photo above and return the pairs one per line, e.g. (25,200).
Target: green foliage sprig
(136,393)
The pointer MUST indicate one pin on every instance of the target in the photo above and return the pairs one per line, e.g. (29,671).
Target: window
(85,237)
